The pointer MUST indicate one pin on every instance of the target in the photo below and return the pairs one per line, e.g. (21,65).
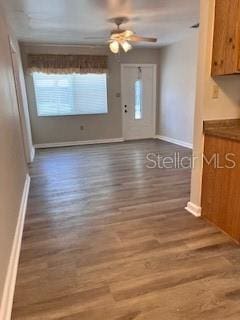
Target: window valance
(66,64)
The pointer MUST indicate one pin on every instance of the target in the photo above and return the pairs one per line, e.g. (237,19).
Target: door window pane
(138,100)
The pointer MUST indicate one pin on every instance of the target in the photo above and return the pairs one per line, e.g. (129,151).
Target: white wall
(178,63)
(13,168)
(227,106)
(178,72)
(103,126)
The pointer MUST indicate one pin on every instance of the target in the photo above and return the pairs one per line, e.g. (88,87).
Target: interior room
(119,194)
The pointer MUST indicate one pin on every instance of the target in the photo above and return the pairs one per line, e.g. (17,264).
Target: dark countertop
(228,129)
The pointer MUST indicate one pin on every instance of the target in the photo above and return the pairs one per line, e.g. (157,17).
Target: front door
(138,101)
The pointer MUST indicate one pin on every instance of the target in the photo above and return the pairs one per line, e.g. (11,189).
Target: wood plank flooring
(107,238)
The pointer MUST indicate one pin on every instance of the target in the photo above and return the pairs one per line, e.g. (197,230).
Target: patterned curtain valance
(63,64)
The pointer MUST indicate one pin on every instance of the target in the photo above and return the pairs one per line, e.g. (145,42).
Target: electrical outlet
(215,92)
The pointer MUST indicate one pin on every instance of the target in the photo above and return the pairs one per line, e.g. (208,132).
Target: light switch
(215,92)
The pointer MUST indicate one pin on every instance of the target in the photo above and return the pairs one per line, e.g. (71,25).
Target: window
(138,99)
(70,94)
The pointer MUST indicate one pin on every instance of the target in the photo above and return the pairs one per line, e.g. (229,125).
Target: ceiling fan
(121,38)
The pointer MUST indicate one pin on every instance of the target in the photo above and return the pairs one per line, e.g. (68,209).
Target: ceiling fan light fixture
(126,46)
(128,33)
(114,46)
(122,38)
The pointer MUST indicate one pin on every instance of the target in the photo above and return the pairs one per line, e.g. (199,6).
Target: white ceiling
(74,21)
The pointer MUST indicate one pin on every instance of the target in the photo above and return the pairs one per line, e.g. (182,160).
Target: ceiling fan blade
(135,38)
(122,35)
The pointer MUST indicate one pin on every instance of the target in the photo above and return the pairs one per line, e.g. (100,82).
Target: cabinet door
(226,42)
(221,185)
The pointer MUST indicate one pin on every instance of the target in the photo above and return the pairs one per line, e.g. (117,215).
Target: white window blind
(70,94)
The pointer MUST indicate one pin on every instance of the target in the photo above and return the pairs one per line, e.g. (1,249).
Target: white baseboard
(9,287)
(175,141)
(76,143)
(194,209)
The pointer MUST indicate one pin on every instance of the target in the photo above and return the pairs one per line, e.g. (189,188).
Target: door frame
(154,106)
(25,125)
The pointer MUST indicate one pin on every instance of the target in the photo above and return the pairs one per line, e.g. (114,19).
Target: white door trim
(22,107)
(154,66)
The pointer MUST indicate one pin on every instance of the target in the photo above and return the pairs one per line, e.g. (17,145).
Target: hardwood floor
(108,238)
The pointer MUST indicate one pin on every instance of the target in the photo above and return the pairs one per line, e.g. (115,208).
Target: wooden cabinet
(221,184)
(226,40)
